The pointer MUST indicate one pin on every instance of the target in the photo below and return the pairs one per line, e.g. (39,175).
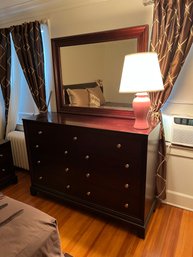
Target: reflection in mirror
(89,63)
(100,61)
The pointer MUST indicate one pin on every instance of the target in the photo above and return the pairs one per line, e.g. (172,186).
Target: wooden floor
(82,235)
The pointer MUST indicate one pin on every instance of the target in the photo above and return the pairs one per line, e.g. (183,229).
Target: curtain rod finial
(148,2)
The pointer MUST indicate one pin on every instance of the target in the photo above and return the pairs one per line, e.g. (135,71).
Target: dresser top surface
(106,123)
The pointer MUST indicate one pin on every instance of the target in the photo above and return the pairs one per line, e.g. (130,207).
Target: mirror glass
(84,59)
(102,61)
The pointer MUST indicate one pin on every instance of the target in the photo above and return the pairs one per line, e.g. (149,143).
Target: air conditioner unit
(178,129)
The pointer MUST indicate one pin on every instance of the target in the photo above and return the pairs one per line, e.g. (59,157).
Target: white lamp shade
(141,73)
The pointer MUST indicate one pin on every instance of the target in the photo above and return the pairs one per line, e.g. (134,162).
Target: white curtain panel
(2,115)
(16,80)
(49,77)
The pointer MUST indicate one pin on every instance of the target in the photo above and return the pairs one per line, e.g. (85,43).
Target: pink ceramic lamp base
(141,105)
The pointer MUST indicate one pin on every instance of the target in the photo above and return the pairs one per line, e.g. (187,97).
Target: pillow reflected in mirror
(96,91)
(79,97)
(94,101)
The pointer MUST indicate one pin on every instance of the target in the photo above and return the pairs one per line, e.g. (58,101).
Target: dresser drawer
(5,153)
(121,200)
(6,171)
(7,174)
(104,145)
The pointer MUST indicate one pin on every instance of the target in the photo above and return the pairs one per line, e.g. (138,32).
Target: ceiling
(13,10)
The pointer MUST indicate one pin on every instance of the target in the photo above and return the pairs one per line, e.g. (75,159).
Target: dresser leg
(33,191)
(15,180)
(141,234)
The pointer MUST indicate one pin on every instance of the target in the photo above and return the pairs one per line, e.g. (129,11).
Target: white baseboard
(180,200)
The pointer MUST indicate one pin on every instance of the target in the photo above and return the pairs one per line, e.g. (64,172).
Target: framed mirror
(92,63)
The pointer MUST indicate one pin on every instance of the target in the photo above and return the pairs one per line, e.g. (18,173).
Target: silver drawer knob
(66,152)
(87,175)
(126,185)
(38,162)
(68,187)
(75,138)
(40,132)
(88,193)
(126,205)
(40,178)
(126,165)
(3,169)
(37,146)
(67,169)
(118,145)
(1,155)
(87,157)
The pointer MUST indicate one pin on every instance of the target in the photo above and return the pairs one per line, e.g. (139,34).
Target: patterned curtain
(171,38)
(5,67)
(28,44)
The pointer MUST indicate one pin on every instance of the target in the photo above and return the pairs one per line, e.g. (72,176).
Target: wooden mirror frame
(137,32)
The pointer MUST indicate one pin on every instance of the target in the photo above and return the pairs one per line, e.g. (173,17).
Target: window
(21,100)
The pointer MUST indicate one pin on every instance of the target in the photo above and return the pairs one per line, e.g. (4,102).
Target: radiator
(18,148)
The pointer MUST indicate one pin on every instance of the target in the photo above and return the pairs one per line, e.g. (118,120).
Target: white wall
(180,177)
(103,15)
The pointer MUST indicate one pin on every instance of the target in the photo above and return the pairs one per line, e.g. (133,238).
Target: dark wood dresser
(7,172)
(99,163)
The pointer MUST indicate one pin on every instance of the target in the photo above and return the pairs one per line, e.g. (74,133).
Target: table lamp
(141,74)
